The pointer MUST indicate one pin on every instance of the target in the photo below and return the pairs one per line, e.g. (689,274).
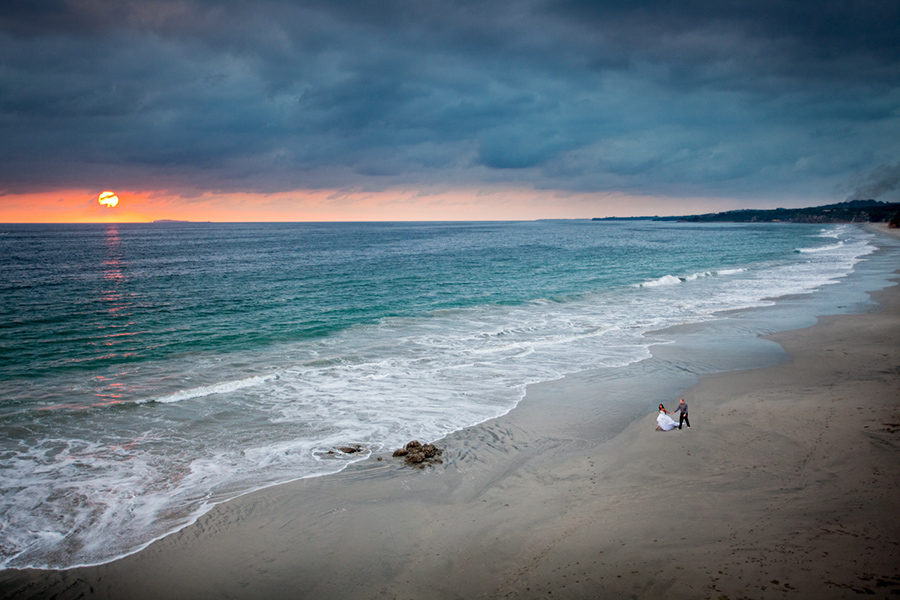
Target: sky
(361,110)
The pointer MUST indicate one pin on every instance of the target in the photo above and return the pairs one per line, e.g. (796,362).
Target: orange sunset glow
(461,204)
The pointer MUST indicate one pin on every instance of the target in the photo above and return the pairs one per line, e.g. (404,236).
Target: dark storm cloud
(879,182)
(693,97)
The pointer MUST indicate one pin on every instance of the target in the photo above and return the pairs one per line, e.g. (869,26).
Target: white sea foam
(208,390)
(664,280)
(675,280)
(831,248)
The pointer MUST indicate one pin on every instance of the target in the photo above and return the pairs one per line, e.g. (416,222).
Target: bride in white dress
(664,422)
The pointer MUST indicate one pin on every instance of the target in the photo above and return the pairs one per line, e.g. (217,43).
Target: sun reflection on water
(116,298)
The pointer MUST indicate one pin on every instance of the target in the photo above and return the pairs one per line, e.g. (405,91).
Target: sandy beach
(783,488)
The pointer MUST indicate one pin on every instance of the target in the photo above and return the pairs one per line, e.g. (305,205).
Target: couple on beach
(665,423)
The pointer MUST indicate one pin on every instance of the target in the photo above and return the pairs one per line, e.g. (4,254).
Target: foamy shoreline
(784,486)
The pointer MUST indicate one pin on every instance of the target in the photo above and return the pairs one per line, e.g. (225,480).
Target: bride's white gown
(665,422)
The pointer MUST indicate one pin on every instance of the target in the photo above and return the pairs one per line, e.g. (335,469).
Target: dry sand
(785,487)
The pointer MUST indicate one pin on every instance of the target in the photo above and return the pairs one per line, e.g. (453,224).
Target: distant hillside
(853,211)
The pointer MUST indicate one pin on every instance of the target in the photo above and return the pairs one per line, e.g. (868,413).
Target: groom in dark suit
(682,408)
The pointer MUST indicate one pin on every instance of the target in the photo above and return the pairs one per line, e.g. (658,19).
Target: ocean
(150,371)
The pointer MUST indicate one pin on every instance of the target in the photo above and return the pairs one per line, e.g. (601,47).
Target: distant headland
(852,211)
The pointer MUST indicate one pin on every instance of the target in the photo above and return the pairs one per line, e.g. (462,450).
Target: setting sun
(108,199)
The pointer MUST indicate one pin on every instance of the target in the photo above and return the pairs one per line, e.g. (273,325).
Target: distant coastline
(852,211)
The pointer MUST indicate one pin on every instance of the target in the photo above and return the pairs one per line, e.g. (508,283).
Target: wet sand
(785,487)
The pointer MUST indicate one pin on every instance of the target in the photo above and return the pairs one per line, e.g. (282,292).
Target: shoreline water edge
(568,497)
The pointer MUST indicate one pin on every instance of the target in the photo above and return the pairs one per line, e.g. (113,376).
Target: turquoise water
(150,371)
(84,297)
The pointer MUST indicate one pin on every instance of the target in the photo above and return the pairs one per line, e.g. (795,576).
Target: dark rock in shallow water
(341,451)
(417,454)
